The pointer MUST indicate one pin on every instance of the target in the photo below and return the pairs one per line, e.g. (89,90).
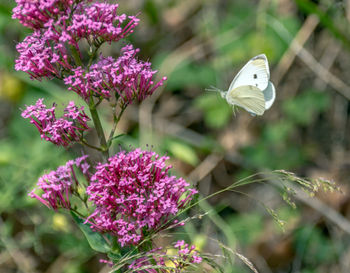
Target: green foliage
(182,151)
(303,109)
(226,34)
(96,240)
(281,156)
(319,248)
(276,148)
(311,8)
(151,10)
(217,113)
(246,227)
(16,174)
(188,74)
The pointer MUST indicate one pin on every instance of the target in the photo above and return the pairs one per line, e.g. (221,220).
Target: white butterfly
(251,89)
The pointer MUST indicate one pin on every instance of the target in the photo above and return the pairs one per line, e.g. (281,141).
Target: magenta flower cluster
(57,186)
(135,195)
(100,21)
(35,13)
(125,77)
(40,57)
(58,27)
(60,131)
(158,260)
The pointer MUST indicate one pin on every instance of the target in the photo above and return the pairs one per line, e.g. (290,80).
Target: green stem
(93,55)
(77,212)
(93,109)
(84,142)
(83,200)
(99,129)
(76,56)
(116,121)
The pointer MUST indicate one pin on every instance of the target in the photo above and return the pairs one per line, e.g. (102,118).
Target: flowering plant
(122,202)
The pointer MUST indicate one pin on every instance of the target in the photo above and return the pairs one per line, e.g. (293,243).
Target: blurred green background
(196,44)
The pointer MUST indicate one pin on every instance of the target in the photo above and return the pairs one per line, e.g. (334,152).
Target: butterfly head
(215,89)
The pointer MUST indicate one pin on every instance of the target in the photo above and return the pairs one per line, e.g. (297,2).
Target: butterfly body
(251,88)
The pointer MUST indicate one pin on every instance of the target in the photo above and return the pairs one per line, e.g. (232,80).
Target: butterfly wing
(269,95)
(256,72)
(248,97)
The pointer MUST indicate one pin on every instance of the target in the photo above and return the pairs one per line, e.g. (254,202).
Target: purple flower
(62,131)
(135,195)
(100,21)
(57,186)
(103,261)
(35,13)
(125,77)
(59,26)
(41,57)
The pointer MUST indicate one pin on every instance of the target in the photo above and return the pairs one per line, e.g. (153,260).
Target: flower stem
(77,212)
(99,129)
(93,54)
(84,142)
(116,121)
(76,56)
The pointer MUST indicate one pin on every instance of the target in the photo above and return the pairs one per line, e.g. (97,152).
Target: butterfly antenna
(213,89)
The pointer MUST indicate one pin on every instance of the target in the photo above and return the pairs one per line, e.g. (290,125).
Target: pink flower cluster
(58,185)
(125,77)
(59,25)
(100,21)
(35,13)
(52,50)
(41,57)
(135,195)
(158,260)
(61,131)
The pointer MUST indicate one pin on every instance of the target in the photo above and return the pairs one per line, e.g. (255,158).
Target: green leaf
(96,241)
(114,256)
(152,10)
(5,10)
(182,151)
(114,138)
